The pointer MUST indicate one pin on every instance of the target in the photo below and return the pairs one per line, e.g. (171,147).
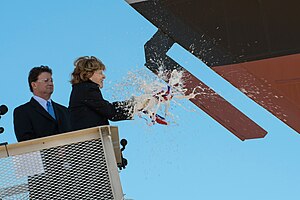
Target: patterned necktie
(50,109)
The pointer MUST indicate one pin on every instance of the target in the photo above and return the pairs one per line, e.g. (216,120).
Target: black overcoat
(32,121)
(88,108)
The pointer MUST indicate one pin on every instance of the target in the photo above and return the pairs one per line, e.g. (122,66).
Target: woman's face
(98,77)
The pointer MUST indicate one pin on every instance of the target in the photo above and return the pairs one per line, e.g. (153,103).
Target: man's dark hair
(35,72)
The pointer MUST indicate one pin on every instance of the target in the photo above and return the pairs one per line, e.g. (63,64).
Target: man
(41,116)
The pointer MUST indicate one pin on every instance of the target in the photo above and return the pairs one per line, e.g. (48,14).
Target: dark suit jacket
(32,121)
(89,109)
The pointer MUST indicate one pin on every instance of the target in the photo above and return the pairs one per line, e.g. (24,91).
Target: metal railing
(75,165)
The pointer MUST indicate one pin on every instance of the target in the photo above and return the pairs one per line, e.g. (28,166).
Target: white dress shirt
(42,102)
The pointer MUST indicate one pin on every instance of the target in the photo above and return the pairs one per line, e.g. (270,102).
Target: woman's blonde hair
(85,67)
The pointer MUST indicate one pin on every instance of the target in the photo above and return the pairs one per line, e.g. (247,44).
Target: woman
(87,106)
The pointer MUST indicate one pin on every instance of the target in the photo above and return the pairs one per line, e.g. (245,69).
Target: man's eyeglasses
(45,80)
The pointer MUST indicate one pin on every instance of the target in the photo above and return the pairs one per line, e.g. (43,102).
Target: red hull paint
(273,83)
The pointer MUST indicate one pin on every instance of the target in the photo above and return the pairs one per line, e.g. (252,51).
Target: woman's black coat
(88,108)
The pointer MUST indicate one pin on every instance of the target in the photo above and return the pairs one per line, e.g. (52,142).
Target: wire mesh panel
(12,185)
(73,171)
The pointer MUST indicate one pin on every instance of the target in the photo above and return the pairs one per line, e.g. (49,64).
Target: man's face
(44,85)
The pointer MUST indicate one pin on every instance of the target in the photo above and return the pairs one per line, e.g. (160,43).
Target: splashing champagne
(149,105)
(152,102)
